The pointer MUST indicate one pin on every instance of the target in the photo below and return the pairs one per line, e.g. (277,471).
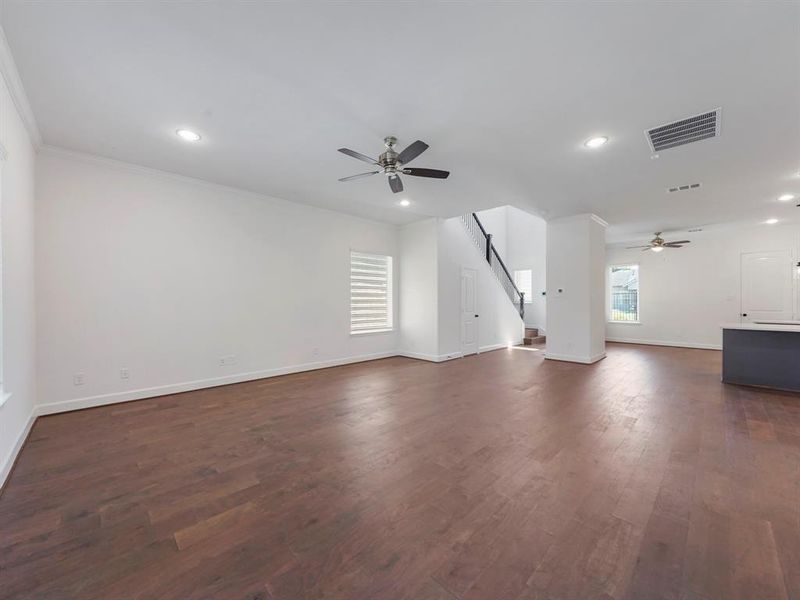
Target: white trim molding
(492,347)
(188,386)
(8,69)
(8,461)
(437,358)
(697,345)
(585,360)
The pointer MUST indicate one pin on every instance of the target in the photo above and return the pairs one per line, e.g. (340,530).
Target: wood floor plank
(500,475)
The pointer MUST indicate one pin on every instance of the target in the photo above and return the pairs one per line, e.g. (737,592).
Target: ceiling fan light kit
(392,163)
(657,244)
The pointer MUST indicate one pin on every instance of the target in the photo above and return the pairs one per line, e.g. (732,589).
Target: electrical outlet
(124,373)
(78,378)
(315,352)
(226,361)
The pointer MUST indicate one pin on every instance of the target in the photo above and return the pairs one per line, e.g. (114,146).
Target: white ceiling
(505,94)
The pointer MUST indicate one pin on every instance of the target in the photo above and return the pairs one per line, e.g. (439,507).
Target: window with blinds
(370,292)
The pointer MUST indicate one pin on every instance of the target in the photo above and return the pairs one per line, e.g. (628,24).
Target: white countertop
(793,326)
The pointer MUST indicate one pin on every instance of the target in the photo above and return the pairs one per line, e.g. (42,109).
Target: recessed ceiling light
(189,136)
(786,197)
(595,142)
(405,202)
(770,221)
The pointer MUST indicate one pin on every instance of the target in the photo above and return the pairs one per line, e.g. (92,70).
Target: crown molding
(8,70)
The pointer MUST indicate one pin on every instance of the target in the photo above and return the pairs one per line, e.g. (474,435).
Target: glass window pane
(625,293)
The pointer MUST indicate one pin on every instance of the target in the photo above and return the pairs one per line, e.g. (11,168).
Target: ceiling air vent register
(684,188)
(685,131)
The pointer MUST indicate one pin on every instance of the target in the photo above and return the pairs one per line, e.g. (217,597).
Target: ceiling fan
(393,163)
(657,244)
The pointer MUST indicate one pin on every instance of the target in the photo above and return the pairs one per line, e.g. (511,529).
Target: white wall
(164,275)
(521,240)
(575,277)
(499,323)
(495,221)
(18,322)
(527,249)
(418,291)
(685,294)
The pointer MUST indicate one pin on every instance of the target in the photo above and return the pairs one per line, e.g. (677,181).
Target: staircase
(532,337)
(483,241)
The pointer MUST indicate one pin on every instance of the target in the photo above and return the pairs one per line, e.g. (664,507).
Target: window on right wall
(624,287)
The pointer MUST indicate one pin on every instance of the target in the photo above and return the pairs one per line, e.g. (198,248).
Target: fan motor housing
(388,159)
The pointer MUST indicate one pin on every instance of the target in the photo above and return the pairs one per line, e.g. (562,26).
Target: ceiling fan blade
(678,242)
(359,176)
(635,247)
(358,155)
(395,184)
(412,152)
(435,173)
(647,248)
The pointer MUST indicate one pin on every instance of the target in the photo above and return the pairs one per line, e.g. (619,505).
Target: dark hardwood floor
(491,477)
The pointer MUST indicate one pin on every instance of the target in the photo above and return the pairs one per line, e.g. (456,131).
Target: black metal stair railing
(483,240)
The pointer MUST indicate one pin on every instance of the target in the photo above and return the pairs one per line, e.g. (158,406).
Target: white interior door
(469,311)
(767,286)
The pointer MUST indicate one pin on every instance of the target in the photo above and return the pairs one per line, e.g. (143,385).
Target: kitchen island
(764,354)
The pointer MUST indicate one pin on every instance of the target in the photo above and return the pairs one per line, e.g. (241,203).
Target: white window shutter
(370,292)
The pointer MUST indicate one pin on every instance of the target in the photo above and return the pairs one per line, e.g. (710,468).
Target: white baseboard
(188,386)
(8,462)
(700,346)
(491,347)
(586,360)
(429,357)
(451,356)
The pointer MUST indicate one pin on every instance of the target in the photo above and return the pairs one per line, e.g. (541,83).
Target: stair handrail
(519,297)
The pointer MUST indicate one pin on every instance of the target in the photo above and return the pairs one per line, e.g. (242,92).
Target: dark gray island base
(767,356)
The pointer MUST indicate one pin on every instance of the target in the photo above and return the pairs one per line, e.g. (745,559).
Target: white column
(576,289)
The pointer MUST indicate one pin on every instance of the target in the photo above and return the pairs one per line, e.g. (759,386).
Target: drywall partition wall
(526,247)
(499,323)
(686,293)
(521,240)
(18,316)
(151,283)
(418,290)
(575,289)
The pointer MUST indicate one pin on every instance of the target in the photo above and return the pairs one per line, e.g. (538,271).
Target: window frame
(528,296)
(610,294)
(389,292)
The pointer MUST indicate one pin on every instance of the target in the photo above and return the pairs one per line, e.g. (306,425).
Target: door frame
(461,313)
